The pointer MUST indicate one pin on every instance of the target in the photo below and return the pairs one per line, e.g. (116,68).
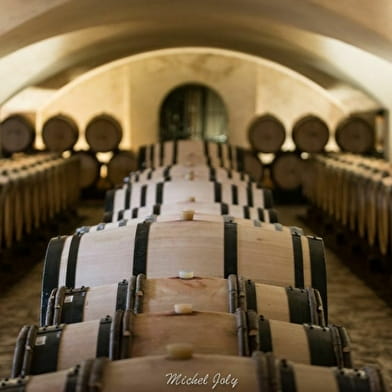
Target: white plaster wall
(133,89)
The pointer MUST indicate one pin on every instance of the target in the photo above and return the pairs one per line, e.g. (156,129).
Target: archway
(193,111)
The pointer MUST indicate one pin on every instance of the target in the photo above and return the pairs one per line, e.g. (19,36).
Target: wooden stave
(192,215)
(128,335)
(70,126)
(131,196)
(191,152)
(140,295)
(315,146)
(260,373)
(278,128)
(267,215)
(312,265)
(179,171)
(111,122)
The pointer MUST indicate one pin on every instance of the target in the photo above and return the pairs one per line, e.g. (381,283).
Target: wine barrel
(266,134)
(181,368)
(253,166)
(162,249)
(190,215)
(263,215)
(89,169)
(120,165)
(195,172)
(103,133)
(60,133)
(287,171)
(129,335)
(384,214)
(142,195)
(17,134)
(310,134)
(356,135)
(139,295)
(191,152)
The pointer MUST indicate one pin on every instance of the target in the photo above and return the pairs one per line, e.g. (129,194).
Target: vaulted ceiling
(343,46)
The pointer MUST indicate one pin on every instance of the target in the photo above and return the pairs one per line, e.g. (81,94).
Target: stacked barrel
(192,283)
(33,189)
(356,192)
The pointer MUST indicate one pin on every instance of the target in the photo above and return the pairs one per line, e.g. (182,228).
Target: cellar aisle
(367,318)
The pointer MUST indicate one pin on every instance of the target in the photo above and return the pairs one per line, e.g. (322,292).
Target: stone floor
(351,303)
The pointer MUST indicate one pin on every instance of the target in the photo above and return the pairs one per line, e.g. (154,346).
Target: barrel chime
(191,281)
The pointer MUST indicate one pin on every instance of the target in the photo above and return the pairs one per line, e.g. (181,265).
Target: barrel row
(359,197)
(126,335)
(259,373)
(33,189)
(311,134)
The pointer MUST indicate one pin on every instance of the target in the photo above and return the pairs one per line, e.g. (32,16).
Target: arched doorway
(193,111)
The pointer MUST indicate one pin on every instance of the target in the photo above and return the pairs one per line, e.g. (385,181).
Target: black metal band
(229,172)
(246,212)
(224,208)
(249,195)
(230,249)
(207,153)
(287,377)
(240,159)
(268,199)
(135,212)
(142,157)
(72,261)
(349,380)
(175,152)
(217,192)
(103,338)
(109,200)
(233,293)
(220,154)
(298,303)
(150,172)
(318,270)
(122,293)
(152,155)
(46,350)
(212,175)
(143,194)
(120,215)
(159,193)
(128,194)
(265,338)
(73,307)
(234,194)
(156,210)
(161,153)
(251,297)
(140,249)
(166,173)
(273,215)
(298,261)
(320,345)
(51,272)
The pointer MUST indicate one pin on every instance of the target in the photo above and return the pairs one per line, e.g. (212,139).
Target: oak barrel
(142,195)
(287,171)
(310,134)
(267,215)
(128,335)
(260,373)
(89,169)
(253,166)
(191,152)
(120,165)
(194,172)
(206,248)
(139,295)
(60,133)
(17,134)
(356,135)
(103,133)
(266,134)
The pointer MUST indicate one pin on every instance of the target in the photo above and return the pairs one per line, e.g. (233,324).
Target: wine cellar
(195,196)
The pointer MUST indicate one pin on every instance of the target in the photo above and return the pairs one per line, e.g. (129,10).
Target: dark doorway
(193,111)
